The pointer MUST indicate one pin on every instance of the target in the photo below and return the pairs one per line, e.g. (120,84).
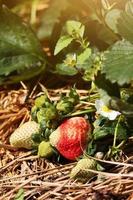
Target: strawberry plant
(84,111)
(103,68)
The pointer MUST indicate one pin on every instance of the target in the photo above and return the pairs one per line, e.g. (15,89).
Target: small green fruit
(64,106)
(41,100)
(45,150)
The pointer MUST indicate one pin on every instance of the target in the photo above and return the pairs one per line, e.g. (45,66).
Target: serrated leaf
(20,50)
(125,26)
(76,26)
(51,17)
(111,19)
(118,63)
(63,42)
(65,70)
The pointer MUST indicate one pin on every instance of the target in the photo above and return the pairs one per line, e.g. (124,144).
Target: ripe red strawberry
(71,137)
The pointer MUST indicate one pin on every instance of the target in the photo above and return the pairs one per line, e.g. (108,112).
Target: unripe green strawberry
(41,100)
(65,106)
(71,137)
(21,137)
(45,149)
(80,171)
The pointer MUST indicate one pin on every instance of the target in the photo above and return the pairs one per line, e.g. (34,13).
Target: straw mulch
(42,179)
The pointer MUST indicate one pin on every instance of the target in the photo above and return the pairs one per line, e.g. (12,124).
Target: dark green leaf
(122,133)
(104,131)
(20,51)
(63,42)
(101,132)
(91,148)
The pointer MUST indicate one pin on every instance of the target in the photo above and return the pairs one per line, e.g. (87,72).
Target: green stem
(116,131)
(80,112)
(121,144)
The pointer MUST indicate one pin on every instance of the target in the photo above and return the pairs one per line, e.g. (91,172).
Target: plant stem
(80,112)
(116,131)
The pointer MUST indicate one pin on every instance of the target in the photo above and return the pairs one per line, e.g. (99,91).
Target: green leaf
(106,35)
(125,26)
(65,70)
(91,148)
(75,26)
(51,17)
(20,50)
(101,132)
(111,19)
(118,63)
(105,131)
(20,195)
(63,42)
(83,57)
(122,133)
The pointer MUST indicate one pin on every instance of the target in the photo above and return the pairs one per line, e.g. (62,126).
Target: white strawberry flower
(103,110)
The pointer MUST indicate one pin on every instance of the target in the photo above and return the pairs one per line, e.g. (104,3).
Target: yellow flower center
(105,109)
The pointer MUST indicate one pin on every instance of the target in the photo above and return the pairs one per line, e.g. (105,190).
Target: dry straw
(42,179)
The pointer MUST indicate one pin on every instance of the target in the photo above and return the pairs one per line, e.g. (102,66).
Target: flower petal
(113,115)
(110,114)
(99,104)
